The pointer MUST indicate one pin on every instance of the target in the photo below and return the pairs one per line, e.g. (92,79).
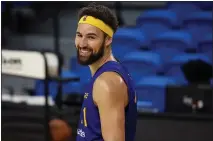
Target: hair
(100,12)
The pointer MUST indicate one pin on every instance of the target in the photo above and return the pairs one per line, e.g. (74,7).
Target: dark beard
(92,58)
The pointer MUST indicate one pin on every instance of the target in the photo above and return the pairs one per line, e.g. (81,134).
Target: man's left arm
(110,96)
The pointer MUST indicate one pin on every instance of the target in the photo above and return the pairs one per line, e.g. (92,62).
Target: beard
(92,58)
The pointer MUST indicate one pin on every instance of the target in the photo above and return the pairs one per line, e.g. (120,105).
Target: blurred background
(166,46)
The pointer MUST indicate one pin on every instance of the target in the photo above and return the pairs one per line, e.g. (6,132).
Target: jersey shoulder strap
(112,66)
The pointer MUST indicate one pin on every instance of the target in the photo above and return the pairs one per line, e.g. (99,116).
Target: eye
(79,35)
(91,37)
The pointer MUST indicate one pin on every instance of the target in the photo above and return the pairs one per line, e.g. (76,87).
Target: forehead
(87,28)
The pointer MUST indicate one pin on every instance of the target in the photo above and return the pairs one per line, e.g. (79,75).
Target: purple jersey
(89,128)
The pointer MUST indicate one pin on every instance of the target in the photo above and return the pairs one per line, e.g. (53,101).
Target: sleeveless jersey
(89,128)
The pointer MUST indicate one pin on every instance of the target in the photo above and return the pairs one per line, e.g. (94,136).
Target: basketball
(60,130)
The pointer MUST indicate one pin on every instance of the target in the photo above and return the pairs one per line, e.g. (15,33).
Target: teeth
(84,52)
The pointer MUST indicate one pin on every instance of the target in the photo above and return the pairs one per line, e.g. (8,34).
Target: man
(109,108)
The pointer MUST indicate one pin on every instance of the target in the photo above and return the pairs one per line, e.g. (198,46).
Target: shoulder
(110,81)
(109,86)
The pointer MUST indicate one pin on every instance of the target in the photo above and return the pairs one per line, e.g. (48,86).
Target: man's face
(90,44)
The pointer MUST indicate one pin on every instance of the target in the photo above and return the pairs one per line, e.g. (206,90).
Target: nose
(82,43)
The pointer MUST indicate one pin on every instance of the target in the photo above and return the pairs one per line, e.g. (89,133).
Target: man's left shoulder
(111,77)
(112,81)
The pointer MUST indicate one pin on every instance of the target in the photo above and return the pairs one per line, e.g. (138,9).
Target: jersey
(89,128)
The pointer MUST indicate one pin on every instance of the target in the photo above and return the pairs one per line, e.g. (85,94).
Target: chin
(86,62)
(83,62)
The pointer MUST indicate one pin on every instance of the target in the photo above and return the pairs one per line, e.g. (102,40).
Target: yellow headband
(97,23)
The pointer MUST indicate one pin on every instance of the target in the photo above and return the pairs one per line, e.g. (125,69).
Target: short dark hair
(100,12)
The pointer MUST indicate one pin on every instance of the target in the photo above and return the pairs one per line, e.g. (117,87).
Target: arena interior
(166,46)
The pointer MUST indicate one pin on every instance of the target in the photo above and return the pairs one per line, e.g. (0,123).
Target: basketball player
(109,108)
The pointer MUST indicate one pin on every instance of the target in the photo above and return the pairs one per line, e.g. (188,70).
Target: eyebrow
(87,34)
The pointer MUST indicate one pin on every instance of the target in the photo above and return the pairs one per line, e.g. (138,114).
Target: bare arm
(110,96)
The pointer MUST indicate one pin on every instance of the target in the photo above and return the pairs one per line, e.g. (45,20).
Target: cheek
(95,45)
(76,42)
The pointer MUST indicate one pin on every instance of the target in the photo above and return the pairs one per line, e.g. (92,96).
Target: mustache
(86,48)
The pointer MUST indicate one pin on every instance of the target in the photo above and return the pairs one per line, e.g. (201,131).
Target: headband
(97,23)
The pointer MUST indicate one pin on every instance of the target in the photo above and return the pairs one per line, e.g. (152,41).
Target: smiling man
(109,111)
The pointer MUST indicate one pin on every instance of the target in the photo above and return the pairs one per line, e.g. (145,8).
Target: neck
(107,57)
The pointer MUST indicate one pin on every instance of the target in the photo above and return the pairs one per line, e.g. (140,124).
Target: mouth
(84,52)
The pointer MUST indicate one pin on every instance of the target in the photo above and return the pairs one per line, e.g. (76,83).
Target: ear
(108,41)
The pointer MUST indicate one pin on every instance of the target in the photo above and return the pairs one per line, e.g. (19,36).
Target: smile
(84,52)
